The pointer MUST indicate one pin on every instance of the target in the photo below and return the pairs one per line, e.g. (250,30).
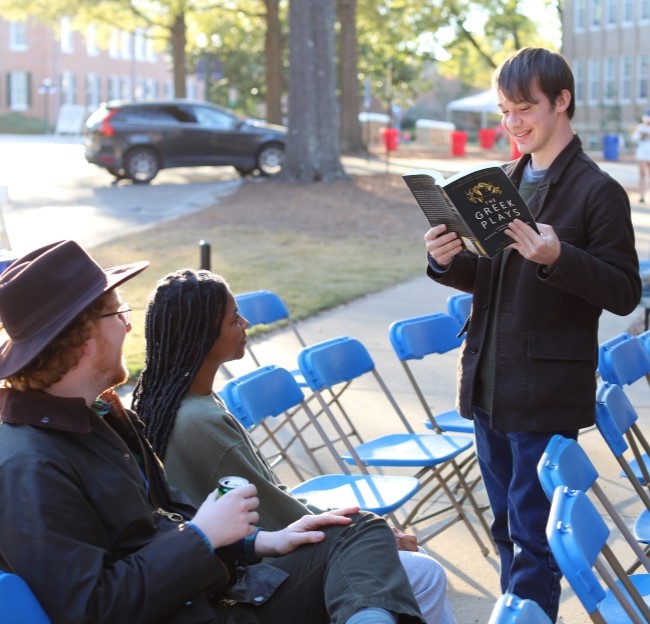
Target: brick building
(43,71)
(607,43)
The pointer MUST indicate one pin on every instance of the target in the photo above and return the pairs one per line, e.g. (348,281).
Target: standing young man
(87,516)
(529,360)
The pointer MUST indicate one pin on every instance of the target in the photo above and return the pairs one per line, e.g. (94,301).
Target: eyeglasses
(123,312)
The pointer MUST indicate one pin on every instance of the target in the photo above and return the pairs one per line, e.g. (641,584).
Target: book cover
(477,203)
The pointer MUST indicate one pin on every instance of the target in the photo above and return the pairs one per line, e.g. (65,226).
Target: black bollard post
(205,255)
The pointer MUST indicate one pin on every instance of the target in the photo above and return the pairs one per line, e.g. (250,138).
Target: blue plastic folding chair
(270,391)
(338,362)
(510,609)
(623,360)
(577,536)
(18,605)
(415,338)
(459,306)
(616,420)
(565,463)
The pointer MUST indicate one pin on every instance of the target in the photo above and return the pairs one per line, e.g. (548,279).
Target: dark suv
(135,140)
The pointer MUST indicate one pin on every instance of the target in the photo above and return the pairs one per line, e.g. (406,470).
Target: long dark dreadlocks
(183,320)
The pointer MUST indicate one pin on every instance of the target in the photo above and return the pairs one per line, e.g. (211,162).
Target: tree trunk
(351,136)
(273,51)
(313,153)
(178,42)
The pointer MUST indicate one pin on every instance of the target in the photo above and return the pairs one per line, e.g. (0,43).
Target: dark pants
(508,462)
(356,566)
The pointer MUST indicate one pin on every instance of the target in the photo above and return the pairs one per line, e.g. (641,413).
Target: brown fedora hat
(42,292)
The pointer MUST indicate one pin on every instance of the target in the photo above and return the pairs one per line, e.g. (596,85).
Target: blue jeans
(508,462)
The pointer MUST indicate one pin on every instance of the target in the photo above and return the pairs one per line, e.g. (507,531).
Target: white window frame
(93,90)
(611,13)
(19,86)
(91,40)
(609,79)
(625,79)
(66,35)
(18,36)
(627,12)
(643,78)
(579,79)
(595,14)
(580,15)
(593,81)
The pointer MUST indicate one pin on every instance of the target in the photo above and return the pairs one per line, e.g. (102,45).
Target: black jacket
(546,351)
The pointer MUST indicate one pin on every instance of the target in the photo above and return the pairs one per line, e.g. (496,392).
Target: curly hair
(183,320)
(62,354)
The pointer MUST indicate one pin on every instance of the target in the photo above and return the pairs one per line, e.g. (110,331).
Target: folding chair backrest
(328,363)
(18,605)
(419,336)
(459,305)
(616,420)
(510,609)
(261,307)
(270,391)
(564,463)
(577,535)
(615,414)
(623,360)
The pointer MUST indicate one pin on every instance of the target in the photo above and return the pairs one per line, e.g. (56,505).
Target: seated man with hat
(88,518)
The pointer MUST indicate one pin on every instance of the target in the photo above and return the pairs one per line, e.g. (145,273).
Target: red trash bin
(458,142)
(486,138)
(390,136)
(514,150)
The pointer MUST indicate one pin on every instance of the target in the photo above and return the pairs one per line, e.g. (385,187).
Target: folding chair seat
(577,536)
(565,463)
(415,338)
(459,306)
(616,420)
(270,391)
(18,605)
(510,609)
(336,363)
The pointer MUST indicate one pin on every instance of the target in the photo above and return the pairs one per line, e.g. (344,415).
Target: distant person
(88,519)
(641,136)
(528,363)
(192,327)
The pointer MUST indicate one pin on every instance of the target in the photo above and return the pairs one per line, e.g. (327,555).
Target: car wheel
(141,165)
(269,159)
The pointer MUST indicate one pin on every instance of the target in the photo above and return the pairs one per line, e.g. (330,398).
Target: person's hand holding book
(442,245)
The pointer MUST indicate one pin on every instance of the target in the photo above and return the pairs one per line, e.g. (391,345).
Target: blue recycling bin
(610,147)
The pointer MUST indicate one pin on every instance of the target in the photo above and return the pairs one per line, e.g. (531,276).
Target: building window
(19,90)
(609,79)
(18,36)
(580,15)
(151,52)
(643,82)
(594,81)
(91,41)
(113,88)
(114,44)
(626,79)
(68,88)
(644,10)
(126,42)
(93,91)
(579,76)
(596,14)
(139,45)
(126,88)
(610,12)
(627,17)
(67,44)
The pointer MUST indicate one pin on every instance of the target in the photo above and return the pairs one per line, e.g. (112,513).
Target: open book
(477,204)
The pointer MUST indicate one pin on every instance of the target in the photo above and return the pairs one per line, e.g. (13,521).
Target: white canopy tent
(484,102)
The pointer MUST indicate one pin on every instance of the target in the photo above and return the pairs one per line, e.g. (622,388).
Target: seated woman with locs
(192,327)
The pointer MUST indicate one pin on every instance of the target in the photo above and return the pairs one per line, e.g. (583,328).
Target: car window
(214,119)
(145,115)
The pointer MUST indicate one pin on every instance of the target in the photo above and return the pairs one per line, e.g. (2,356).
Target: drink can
(229,483)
